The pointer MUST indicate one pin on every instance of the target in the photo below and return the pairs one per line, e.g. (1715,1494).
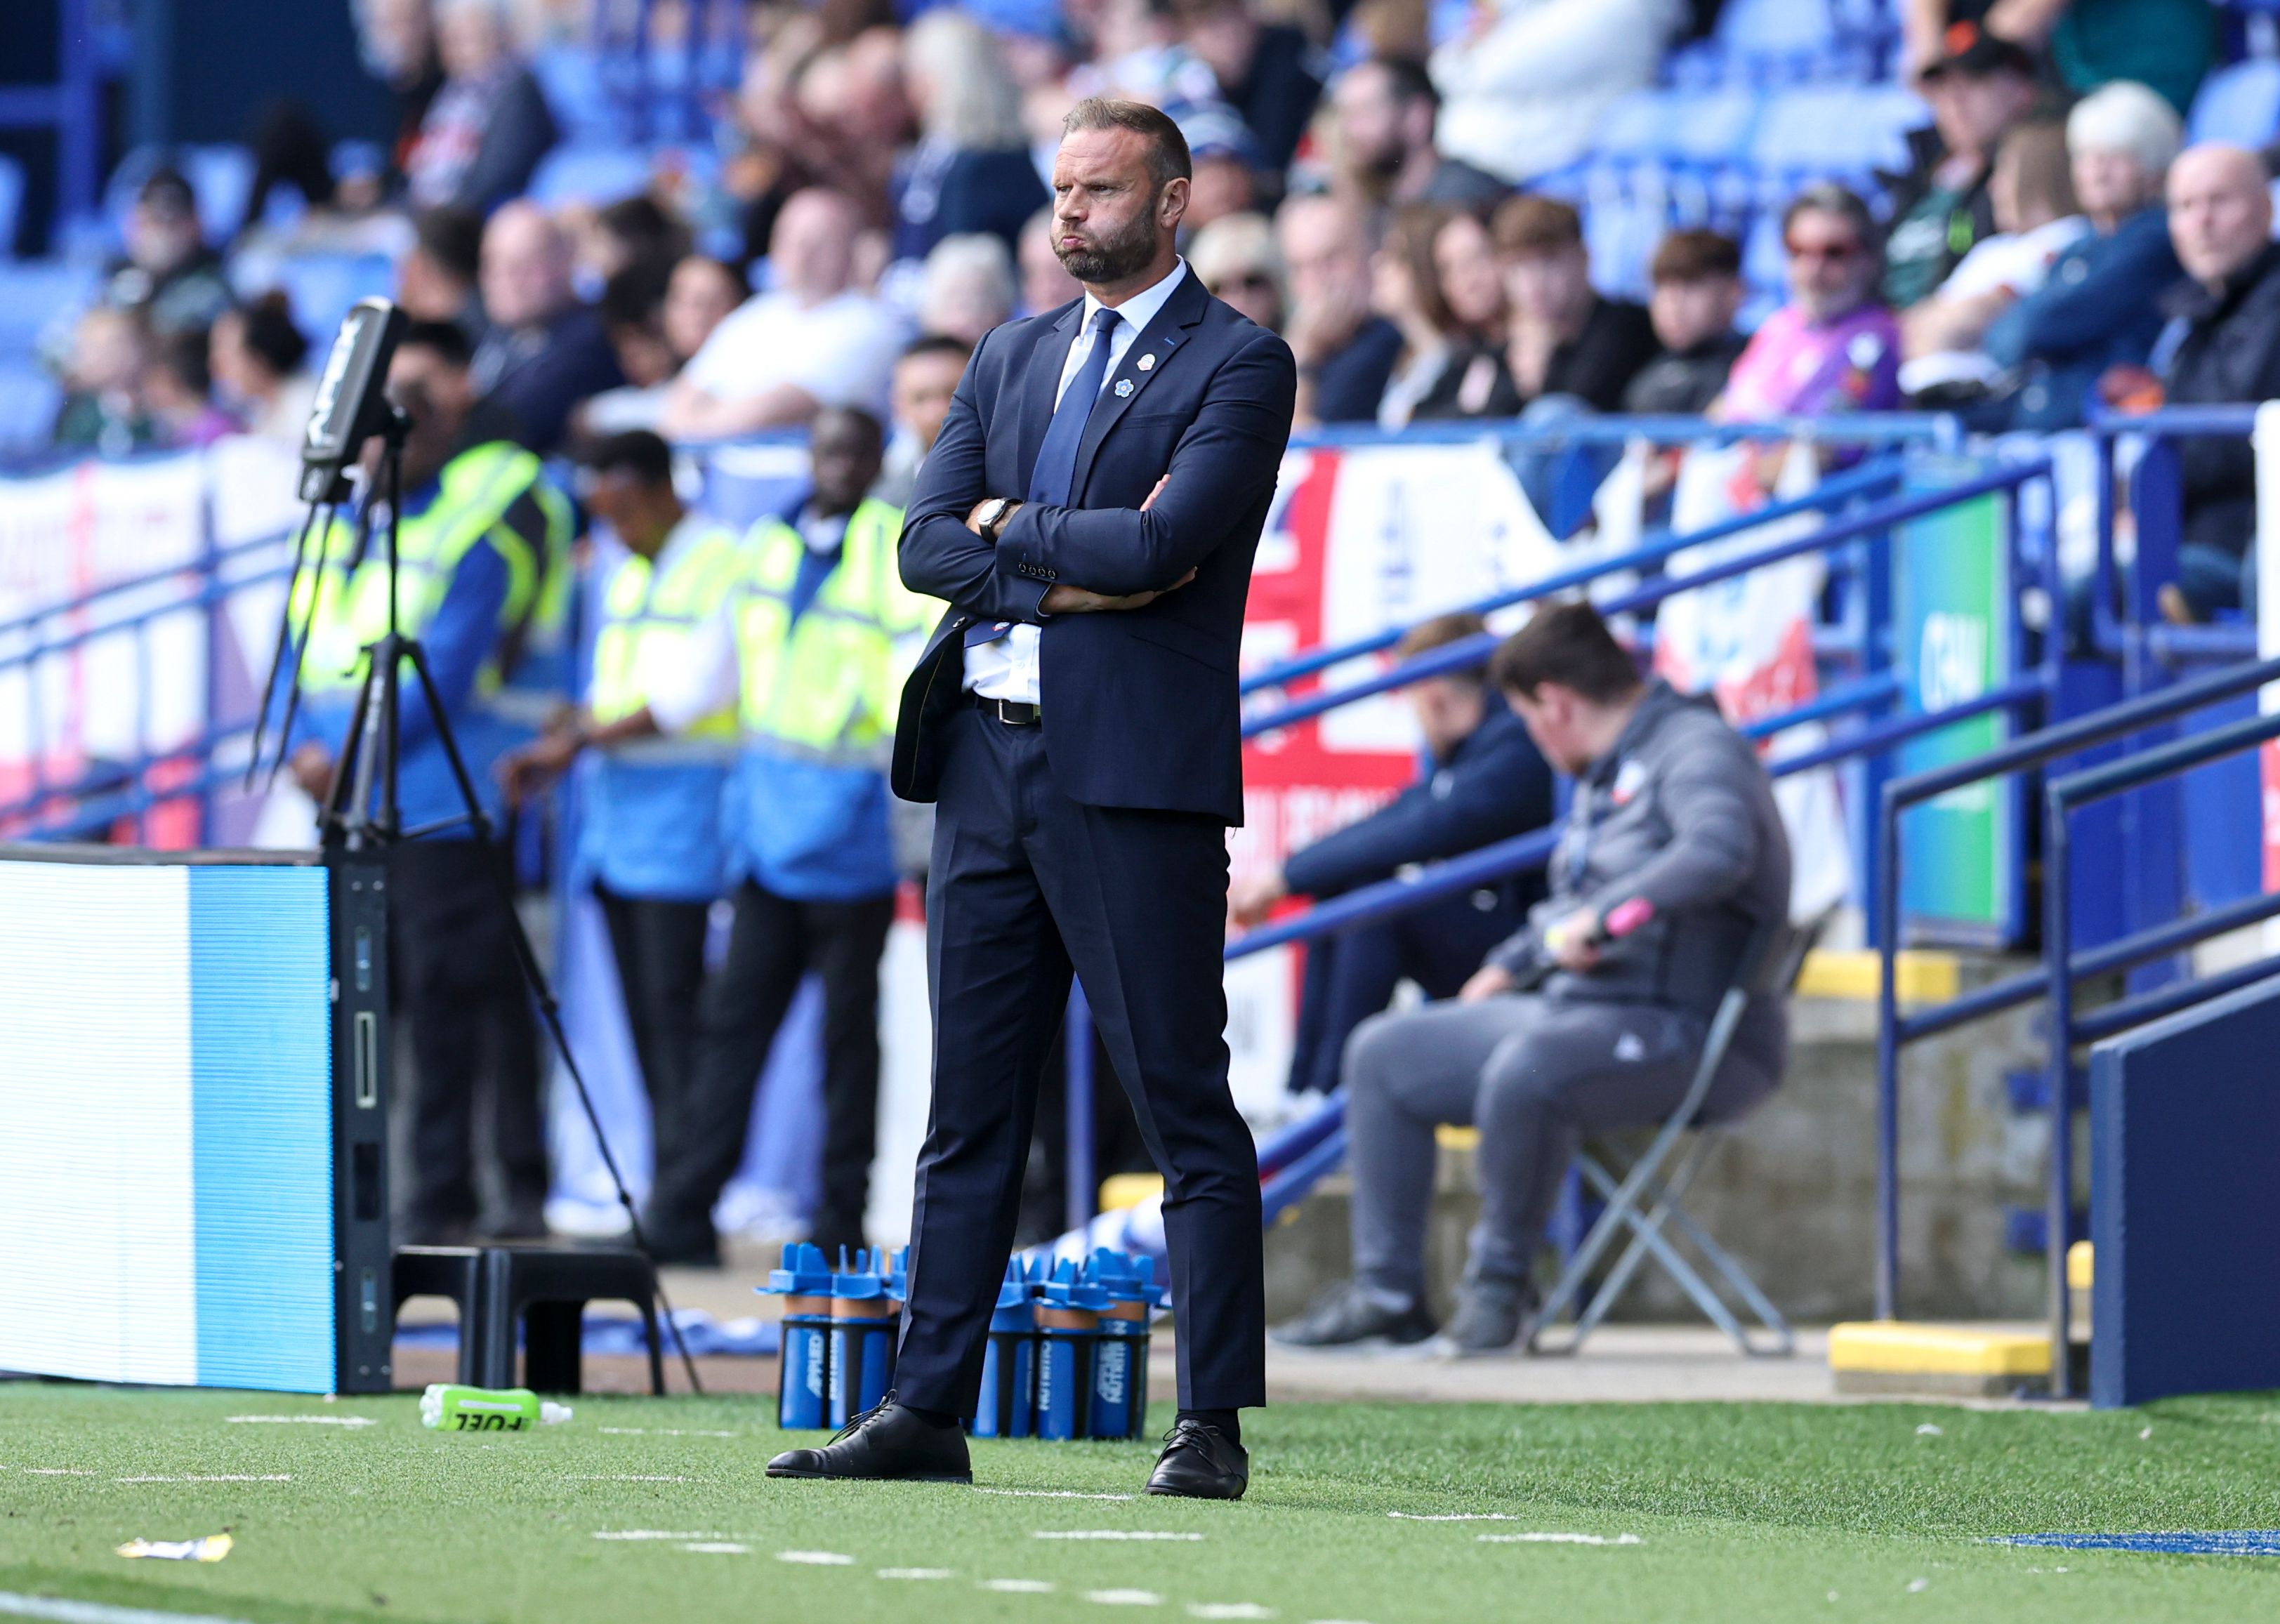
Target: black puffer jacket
(2231,352)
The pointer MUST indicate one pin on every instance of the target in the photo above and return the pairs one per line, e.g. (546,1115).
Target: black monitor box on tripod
(193,1071)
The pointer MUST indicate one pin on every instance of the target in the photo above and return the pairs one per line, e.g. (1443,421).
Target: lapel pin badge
(1146,362)
(1123,388)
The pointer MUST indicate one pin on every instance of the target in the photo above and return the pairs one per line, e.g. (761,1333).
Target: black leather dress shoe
(1199,1463)
(887,1443)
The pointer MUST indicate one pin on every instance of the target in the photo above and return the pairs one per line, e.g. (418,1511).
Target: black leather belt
(1012,712)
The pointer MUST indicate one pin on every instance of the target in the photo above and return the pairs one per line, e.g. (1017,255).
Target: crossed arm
(1224,464)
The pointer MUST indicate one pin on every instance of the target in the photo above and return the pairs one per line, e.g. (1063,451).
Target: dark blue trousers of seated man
(1591,1017)
(1482,779)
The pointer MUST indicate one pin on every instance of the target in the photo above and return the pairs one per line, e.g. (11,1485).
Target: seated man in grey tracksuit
(1591,1017)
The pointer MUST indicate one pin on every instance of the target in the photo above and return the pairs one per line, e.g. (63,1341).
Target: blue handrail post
(1888,1055)
(2059,1208)
(1082,1178)
(1880,660)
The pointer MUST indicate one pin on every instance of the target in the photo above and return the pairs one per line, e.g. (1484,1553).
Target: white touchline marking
(1020,1586)
(620,1477)
(1052,1494)
(56,1472)
(717,1547)
(917,1573)
(654,1534)
(1109,1533)
(816,1558)
(1125,1598)
(63,1611)
(312,1420)
(1558,1539)
(1454,1516)
(665,1432)
(1229,1610)
(226,1477)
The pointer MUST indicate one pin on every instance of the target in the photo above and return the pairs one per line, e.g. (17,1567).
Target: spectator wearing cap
(970,171)
(544,352)
(2100,307)
(1267,73)
(1235,259)
(967,286)
(1226,162)
(1698,292)
(1522,90)
(812,340)
(1978,89)
(1835,346)
(1345,352)
(1385,113)
(256,354)
(1564,339)
(1045,281)
(482,138)
(2166,45)
(169,276)
(437,279)
(2221,224)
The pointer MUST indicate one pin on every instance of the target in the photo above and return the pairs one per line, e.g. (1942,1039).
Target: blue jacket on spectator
(2100,308)
(1493,785)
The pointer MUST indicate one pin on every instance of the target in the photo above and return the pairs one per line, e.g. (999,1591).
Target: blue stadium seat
(2240,104)
(29,400)
(1713,127)
(1778,41)
(1839,132)
(590,174)
(581,104)
(36,295)
(12,202)
(320,287)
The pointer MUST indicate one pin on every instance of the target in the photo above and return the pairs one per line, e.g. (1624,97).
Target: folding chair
(1646,1200)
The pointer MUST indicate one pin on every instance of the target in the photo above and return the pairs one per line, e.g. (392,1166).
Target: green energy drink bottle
(447,1407)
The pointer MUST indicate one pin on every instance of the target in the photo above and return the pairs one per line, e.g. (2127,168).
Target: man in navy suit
(1089,513)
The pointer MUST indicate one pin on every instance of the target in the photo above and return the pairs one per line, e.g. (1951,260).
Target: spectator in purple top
(1834,347)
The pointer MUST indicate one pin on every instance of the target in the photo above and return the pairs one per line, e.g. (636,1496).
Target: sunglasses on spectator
(1245,278)
(1836,253)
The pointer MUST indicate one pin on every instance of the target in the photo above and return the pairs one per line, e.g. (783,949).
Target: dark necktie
(1056,470)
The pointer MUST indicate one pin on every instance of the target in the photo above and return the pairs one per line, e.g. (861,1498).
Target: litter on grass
(1111,1533)
(308,1420)
(1929,1431)
(1917,1587)
(212,1548)
(1558,1539)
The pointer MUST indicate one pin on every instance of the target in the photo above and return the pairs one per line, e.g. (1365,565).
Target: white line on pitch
(1110,1533)
(63,1610)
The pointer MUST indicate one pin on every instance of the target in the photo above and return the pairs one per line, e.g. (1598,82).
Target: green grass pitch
(1753,1512)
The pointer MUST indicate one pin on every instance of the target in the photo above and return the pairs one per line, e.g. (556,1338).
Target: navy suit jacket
(1494,785)
(1140,707)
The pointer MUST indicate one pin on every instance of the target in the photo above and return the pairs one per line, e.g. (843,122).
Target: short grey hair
(1167,148)
(973,102)
(1828,198)
(968,265)
(2124,115)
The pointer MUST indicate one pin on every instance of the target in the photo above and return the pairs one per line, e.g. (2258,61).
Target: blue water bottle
(1068,1320)
(862,1336)
(804,1372)
(1009,1363)
(1119,1364)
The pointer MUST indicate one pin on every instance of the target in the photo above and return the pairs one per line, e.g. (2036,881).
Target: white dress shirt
(1007,668)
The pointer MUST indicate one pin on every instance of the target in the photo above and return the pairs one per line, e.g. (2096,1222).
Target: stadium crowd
(1381,183)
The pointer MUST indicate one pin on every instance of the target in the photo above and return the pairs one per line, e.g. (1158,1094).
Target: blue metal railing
(2062,965)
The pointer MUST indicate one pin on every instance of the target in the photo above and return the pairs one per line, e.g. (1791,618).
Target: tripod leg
(541,992)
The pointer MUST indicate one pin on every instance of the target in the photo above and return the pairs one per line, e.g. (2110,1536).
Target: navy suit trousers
(1026,885)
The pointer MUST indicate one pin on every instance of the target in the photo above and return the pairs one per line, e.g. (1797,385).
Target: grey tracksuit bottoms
(1533,1074)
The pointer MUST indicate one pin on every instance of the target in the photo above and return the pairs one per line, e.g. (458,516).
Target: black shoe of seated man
(889,1444)
(1490,1316)
(1199,1464)
(1350,1316)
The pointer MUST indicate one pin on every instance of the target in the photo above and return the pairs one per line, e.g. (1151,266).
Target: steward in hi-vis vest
(812,646)
(650,839)
(483,583)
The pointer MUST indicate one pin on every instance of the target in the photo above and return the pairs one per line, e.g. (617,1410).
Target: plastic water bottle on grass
(446,1406)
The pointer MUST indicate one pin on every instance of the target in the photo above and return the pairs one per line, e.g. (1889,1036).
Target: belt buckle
(1007,711)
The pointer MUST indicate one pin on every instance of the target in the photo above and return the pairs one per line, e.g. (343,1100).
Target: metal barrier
(2062,965)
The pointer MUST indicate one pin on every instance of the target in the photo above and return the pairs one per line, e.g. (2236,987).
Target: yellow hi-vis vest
(826,688)
(478,486)
(650,620)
